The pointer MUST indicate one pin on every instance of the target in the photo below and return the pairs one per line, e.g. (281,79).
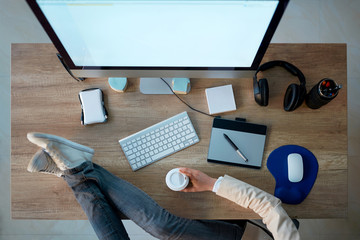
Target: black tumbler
(322,93)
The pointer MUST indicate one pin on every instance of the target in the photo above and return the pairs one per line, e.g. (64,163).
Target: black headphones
(295,94)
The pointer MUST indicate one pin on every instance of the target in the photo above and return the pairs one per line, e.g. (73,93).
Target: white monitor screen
(160,33)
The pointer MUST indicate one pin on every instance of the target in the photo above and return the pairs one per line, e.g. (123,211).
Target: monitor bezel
(275,20)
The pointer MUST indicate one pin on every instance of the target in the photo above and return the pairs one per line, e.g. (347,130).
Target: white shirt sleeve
(217,184)
(267,206)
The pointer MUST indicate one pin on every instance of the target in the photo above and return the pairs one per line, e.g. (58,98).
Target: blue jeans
(103,196)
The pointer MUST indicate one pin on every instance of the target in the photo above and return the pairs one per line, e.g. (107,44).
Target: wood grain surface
(44,98)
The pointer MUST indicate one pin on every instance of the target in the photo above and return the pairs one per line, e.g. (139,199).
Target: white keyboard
(159,141)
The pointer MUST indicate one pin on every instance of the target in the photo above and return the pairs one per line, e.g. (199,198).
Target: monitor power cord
(194,109)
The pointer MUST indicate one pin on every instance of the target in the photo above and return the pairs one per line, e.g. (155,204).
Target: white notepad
(220,99)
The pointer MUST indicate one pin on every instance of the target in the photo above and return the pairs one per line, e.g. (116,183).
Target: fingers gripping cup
(176,180)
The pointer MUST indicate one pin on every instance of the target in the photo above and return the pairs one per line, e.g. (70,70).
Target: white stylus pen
(235,147)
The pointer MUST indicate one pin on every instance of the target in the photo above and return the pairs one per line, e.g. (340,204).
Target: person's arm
(265,205)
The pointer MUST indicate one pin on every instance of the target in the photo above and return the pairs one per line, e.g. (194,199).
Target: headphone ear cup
(264,91)
(292,96)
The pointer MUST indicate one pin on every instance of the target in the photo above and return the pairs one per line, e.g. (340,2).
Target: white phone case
(92,104)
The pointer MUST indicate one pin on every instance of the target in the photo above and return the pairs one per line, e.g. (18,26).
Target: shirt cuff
(217,184)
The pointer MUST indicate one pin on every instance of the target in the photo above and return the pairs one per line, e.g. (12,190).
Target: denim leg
(146,213)
(101,214)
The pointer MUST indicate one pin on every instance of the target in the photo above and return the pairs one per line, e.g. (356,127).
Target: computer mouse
(295,167)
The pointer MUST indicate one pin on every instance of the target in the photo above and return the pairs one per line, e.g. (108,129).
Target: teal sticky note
(118,84)
(181,85)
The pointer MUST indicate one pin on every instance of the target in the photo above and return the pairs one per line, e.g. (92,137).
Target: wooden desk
(45,99)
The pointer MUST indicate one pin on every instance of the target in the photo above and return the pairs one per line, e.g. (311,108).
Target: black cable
(184,101)
(79,79)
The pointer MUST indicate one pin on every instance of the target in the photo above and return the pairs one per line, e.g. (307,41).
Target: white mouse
(295,167)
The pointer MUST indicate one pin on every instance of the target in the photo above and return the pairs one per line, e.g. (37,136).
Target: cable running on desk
(194,109)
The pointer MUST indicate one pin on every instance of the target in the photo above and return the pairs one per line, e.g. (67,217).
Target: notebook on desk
(248,137)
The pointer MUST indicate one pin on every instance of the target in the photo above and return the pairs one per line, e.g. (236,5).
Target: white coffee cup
(176,180)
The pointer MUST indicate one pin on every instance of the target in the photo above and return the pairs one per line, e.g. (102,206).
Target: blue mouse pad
(289,192)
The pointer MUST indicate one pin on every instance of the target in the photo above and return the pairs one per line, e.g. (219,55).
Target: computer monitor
(161,38)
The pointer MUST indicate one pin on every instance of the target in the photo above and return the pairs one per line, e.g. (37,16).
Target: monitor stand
(155,86)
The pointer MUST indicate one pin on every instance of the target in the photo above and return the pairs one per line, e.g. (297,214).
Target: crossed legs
(102,196)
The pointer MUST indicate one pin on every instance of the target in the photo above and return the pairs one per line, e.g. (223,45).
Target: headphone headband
(288,66)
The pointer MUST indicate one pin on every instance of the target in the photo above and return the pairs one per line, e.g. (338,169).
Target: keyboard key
(190,136)
(162,154)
